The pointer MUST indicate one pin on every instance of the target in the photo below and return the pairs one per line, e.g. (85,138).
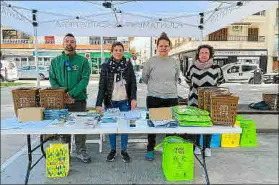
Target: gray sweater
(161,75)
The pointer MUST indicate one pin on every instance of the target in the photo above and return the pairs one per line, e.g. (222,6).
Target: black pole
(201,26)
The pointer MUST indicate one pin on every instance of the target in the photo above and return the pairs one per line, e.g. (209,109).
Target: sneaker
(84,157)
(149,155)
(197,151)
(125,157)
(111,156)
(207,152)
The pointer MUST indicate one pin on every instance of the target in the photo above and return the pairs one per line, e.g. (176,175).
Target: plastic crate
(215,141)
(230,140)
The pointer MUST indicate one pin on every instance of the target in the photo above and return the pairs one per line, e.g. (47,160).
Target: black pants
(153,102)
(80,139)
(206,140)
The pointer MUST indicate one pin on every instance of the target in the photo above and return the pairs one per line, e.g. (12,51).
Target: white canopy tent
(111,18)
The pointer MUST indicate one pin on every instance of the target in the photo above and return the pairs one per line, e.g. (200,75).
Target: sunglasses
(67,65)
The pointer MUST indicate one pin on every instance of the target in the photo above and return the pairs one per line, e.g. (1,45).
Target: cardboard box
(30,114)
(163,113)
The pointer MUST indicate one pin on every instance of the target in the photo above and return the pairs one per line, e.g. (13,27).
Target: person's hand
(99,109)
(69,99)
(133,104)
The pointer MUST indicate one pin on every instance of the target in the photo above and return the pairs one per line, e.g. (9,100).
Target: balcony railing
(108,42)
(222,38)
(29,41)
(234,38)
(16,41)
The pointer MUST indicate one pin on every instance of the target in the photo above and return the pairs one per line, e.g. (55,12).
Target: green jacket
(75,80)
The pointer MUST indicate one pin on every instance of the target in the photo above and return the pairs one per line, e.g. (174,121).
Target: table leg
(29,159)
(203,162)
(204,165)
(42,146)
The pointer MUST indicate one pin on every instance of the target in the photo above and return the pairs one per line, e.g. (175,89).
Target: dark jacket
(107,80)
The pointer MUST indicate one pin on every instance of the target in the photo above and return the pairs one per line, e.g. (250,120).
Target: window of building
(94,40)
(253,34)
(24,62)
(49,40)
(32,63)
(219,35)
(262,13)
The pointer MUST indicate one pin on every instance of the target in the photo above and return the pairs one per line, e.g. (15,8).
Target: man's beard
(69,50)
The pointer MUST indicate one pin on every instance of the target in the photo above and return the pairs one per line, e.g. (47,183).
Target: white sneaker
(197,151)
(207,152)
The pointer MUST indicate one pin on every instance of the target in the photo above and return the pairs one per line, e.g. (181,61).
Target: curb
(267,130)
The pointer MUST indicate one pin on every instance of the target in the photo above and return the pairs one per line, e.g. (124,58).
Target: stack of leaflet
(191,116)
(58,114)
(132,115)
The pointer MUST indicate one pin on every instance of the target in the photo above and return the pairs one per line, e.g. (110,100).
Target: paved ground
(10,145)
(226,166)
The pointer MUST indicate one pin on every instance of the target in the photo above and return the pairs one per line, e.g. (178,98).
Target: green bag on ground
(177,159)
(248,136)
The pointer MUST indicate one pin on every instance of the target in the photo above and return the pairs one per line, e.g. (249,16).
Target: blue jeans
(123,106)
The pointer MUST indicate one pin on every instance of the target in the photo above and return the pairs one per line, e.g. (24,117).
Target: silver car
(30,72)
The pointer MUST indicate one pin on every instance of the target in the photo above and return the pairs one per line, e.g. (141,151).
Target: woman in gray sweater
(160,73)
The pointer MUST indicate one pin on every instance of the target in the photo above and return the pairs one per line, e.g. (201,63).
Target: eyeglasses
(67,65)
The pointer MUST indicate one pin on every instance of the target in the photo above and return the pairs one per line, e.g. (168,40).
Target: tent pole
(201,26)
(35,26)
(201,36)
(36,55)
(102,50)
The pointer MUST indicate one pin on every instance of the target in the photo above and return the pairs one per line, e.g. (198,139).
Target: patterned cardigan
(196,78)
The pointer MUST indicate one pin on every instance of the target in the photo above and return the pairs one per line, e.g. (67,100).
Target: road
(12,144)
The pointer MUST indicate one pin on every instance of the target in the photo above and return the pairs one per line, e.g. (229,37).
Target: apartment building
(252,40)
(19,47)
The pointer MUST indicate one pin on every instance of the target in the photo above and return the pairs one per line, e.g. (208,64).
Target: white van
(8,71)
(240,72)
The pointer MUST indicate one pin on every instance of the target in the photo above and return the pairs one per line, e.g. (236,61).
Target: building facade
(18,47)
(251,40)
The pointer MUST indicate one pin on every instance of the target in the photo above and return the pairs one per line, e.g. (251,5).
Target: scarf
(204,65)
(117,67)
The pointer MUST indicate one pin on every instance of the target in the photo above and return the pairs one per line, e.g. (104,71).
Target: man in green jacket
(72,72)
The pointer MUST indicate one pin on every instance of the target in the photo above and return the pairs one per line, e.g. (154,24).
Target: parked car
(271,78)
(138,75)
(238,72)
(8,71)
(30,72)
(181,79)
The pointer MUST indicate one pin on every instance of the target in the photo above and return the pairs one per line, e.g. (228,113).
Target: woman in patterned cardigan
(203,73)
